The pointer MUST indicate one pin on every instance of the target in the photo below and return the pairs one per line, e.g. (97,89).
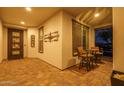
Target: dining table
(88,56)
(95,52)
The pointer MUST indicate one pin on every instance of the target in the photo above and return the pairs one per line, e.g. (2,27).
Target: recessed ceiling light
(28,8)
(22,22)
(97,14)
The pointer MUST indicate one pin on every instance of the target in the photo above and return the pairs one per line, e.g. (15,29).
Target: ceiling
(37,16)
(33,18)
(105,16)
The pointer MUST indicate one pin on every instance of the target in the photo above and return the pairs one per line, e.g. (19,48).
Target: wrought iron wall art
(32,40)
(51,37)
(41,34)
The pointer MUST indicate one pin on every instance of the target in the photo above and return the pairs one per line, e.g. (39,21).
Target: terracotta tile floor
(36,72)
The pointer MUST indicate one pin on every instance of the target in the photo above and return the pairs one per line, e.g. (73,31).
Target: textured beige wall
(5,44)
(1,42)
(32,51)
(67,57)
(118,39)
(53,50)
(58,53)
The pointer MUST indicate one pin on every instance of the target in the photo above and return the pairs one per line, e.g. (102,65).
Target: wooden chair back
(94,50)
(80,51)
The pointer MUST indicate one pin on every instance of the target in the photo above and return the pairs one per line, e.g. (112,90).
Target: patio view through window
(103,39)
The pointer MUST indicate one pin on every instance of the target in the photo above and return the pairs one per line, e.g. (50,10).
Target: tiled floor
(36,72)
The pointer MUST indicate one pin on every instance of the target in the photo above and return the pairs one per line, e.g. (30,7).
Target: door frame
(10,45)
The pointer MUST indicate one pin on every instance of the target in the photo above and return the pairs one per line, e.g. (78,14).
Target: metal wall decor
(32,40)
(41,34)
(51,37)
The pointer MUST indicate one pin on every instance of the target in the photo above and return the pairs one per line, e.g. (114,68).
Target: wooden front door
(15,43)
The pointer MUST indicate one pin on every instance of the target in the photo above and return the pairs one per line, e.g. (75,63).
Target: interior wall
(118,38)
(32,51)
(67,56)
(5,44)
(1,42)
(53,50)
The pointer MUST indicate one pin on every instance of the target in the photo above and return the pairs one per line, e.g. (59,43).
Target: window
(85,37)
(80,36)
(103,39)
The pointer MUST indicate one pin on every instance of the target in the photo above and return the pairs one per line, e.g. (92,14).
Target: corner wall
(67,57)
(118,38)
(1,42)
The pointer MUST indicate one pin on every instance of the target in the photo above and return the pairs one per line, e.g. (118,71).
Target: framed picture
(41,34)
(32,40)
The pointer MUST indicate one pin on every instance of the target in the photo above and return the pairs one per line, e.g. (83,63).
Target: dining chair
(97,53)
(83,56)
